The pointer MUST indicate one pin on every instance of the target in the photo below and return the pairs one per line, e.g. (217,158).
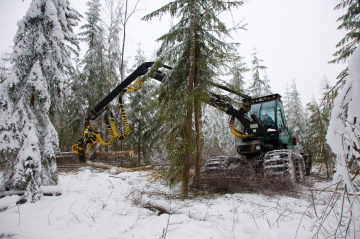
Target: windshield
(266,112)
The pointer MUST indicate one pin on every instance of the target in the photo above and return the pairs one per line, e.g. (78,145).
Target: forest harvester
(267,143)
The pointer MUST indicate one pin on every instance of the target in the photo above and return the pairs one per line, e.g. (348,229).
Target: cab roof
(265,98)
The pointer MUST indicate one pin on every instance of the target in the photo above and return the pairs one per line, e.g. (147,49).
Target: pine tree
(285,101)
(140,117)
(258,87)
(236,72)
(318,126)
(295,114)
(113,42)
(87,82)
(113,11)
(31,93)
(194,47)
(94,72)
(350,22)
(69,122)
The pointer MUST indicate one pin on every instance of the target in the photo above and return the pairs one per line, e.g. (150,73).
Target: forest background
(295,38)
(97,73)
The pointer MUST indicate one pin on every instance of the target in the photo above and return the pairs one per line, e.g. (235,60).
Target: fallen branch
(153,208)
(329,190)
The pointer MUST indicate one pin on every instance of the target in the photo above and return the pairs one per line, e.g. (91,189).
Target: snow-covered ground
(102,205)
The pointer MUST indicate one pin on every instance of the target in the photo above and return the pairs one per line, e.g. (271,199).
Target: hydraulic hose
(110,128)
(93,136)
(236,133)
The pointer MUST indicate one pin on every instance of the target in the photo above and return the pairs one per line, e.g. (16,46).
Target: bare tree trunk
(122,72)
(123,45)
(197,109)
(139,150)
(327,168)
(185,180)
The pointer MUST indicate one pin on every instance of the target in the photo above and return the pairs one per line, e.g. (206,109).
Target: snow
(51,189)
(9,201)
(101,205)
(349,94)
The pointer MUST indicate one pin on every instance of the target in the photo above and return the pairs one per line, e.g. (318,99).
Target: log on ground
(97,154)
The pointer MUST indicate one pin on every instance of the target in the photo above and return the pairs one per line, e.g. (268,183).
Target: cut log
(118,169)
(97,154)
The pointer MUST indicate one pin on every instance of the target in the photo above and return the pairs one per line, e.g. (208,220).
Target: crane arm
(121,88)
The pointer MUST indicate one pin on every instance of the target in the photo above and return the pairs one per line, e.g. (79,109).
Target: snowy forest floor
(97,204)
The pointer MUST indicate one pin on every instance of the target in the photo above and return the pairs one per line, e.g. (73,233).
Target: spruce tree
(140,117)
(236,71)
(88,81)
(317,130)
(31,93)
(113,42)
(113,11)
(258,86)
(285,101)
(350,22)
(94,71)
(295,114)
(195,48)
(69,122)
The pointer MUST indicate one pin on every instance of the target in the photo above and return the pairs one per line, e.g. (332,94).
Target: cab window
(266,112)
(279,115)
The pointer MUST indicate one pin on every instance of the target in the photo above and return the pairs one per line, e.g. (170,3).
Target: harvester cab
(269,109)
(270,145)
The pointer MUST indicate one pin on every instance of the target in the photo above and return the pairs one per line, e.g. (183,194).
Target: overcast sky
(295,38)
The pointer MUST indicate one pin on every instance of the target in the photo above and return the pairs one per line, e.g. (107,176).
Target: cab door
(281,124)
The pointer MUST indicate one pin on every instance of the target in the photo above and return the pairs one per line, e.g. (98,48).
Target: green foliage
(141,117)
(258,86)
(294,112)
(212,56)
(350,22)
(94,78)
(31,94)
(69,121)
(95,86)
(318,125)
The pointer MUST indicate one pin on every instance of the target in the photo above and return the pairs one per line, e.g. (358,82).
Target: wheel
(306,155)
(280,164)
(300,167)
(307,160)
